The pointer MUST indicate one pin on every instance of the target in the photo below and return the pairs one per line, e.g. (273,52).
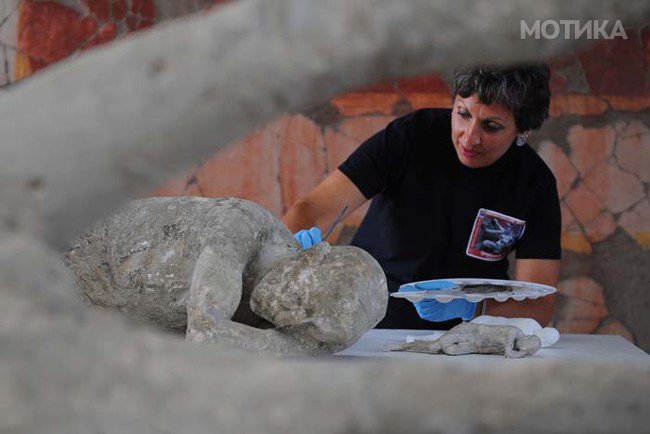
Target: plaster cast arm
(263,342)
(215,294)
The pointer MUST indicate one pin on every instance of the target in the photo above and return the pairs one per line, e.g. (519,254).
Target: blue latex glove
(435,311)
(308,237)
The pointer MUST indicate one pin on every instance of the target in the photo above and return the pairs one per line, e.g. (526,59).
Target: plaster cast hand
(435,311)
(308,237)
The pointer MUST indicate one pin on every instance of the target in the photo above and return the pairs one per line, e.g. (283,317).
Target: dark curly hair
(523,89)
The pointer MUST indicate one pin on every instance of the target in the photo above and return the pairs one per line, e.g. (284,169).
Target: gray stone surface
(66,369)
(167,9)
(626,292)
(193,263)
(469,338)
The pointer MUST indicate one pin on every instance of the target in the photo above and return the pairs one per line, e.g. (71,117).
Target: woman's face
(481,133)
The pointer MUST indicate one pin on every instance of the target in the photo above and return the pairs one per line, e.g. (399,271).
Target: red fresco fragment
(106,33)
(426,84)
(144,23)
(561,62)
(132,22)
(119,10)
(645,38)
(615,66)
(384,87)
(88,25)
(99,8)
(558,83)
(49,32)
(144,8)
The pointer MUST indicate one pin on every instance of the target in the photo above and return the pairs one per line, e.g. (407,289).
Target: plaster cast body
(226,270)
(467,338)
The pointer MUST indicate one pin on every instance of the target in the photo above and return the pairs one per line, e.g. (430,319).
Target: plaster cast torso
(147,253)
(192,265)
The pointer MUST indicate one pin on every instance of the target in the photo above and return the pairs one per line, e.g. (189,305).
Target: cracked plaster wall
(597,142)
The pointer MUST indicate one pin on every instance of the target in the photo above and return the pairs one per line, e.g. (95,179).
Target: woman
(453,191)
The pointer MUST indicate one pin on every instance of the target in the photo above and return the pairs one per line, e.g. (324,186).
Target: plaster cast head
(330,294)
(529,344)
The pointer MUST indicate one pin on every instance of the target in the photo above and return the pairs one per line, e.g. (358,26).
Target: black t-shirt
(432,217)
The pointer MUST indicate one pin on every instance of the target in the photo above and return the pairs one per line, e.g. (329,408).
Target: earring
(521,139)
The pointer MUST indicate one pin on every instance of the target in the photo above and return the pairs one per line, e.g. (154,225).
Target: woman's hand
(432,310)
(435,311)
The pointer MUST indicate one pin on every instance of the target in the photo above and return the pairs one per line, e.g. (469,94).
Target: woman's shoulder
(535,166)
(426,116)
(424,122)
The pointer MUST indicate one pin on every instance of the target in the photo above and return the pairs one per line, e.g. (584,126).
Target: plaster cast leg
(523,346)
(417,347)
(267,342)
(430,347)
(518,345)
(514,354)
(509,348)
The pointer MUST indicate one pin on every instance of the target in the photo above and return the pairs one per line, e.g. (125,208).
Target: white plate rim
(414,296)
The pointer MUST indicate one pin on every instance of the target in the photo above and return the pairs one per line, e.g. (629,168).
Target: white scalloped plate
(520,291)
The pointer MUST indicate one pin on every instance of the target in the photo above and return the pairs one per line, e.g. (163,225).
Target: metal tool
(336,221)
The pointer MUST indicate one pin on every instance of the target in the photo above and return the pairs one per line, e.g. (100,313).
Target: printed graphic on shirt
(493,235)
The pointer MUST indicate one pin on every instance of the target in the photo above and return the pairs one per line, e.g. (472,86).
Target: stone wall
(597,142)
